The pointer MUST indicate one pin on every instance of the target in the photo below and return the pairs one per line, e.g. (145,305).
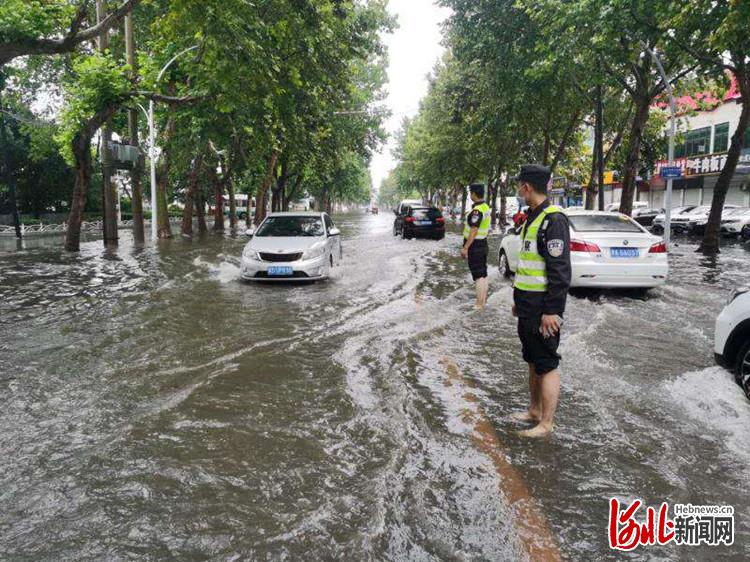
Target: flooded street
(153,407)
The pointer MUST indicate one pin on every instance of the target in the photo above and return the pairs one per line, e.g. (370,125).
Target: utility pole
(137,173)
(600,144)
(7,165)
(108,189)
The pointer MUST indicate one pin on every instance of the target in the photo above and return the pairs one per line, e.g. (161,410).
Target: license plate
(624,252)
(422,223)
(279,271)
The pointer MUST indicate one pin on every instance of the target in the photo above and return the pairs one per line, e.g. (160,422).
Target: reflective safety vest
(484,226)
(531,273)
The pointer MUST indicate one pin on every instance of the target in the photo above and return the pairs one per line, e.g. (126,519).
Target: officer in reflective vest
(475,248)
(539,296)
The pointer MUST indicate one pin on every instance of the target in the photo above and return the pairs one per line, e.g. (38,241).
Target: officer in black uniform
(539,296)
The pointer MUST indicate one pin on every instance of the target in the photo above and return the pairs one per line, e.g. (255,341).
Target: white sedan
(292,247)
(607,250)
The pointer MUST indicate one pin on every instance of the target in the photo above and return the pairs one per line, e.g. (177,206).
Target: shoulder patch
(555,248)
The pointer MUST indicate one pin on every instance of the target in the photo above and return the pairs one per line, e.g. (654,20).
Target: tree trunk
(81,147)
(108,188)
(164,230)
(137,173)
(218,201)
(463,202)
(710,243)
(232,204)
(190,195)
(260,203)
(10,180)
(200,210)
(492,187)
(503,203)
(600,147)
(634,153)
(560,152)
(293,192)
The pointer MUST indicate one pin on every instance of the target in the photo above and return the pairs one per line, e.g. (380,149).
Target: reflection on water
(154,407)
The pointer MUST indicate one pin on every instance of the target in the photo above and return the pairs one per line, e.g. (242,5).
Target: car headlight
(314,252)
(737,292)
(251,254)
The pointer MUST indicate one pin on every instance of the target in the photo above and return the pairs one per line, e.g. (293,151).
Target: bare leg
(550,393)
(534,413)
(481,289)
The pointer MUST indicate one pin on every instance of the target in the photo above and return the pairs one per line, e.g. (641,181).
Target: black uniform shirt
(553,243)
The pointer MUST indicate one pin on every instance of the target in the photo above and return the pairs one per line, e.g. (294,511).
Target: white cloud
(413,50)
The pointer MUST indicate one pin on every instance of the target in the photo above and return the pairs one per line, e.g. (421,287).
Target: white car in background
(661,218)
(607,250)
(736,223)
(732,337)
(292,247)
(638,207)
(694,222)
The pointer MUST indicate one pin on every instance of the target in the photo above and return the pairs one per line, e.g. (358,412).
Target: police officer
(475,248)
(539,296)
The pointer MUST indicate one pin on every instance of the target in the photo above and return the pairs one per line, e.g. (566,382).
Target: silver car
(292,247)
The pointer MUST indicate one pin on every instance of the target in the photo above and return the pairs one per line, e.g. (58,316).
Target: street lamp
(152,140)
(672,133)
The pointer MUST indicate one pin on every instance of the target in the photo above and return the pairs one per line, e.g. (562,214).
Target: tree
(715,33)
(50,28)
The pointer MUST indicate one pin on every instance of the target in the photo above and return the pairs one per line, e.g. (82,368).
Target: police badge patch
(555,248)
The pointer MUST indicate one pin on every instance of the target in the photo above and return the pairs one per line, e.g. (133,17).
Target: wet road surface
(155,408)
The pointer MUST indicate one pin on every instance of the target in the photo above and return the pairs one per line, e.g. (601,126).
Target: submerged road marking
(531,524)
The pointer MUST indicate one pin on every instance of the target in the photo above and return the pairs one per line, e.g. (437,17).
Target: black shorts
(537,350)
(478,259)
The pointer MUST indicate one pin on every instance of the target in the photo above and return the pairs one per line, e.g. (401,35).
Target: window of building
(721,137)
(698,141)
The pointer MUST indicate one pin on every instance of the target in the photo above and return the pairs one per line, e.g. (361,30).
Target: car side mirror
(333,231)
(250,232)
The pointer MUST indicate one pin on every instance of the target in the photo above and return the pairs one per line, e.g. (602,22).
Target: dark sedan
(419,222)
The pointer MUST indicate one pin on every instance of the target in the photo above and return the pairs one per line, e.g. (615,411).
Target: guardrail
(62,228)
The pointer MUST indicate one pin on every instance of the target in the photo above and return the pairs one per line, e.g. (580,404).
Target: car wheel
(440,236)
(742,369)
(504,265)
(406,236)
(395,231)
(746,232)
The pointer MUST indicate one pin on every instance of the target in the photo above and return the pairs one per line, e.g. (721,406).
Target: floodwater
(153,407)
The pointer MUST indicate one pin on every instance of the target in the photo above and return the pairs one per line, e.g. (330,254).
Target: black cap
(477,189)
(536,175)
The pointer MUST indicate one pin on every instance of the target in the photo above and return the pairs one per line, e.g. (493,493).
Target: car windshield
(291,226)
(603,223)
(426,213)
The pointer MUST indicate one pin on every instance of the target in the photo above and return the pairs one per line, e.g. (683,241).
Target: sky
(413,50)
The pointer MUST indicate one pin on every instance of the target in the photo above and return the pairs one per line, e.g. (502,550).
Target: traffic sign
(671,172)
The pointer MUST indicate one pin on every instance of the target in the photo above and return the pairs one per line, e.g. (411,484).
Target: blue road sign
(671,172)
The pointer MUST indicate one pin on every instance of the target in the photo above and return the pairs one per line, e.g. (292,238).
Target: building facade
(705,127)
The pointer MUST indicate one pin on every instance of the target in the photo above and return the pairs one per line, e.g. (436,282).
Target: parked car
(638,207)
(646,217)
(419,222)
(608,250)
(657,227)
(292,247)
(737,223)
(732,337)
(694,222)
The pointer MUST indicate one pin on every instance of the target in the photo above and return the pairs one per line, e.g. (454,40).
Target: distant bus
(240,200)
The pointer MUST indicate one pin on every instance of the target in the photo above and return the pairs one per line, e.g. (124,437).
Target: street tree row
(272,98)
(525,80)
